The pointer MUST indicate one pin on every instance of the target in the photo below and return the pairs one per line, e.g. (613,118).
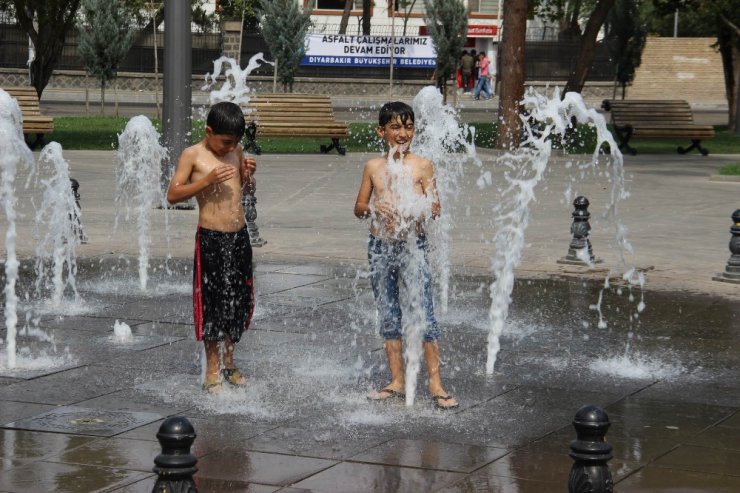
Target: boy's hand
(388,215)
(250,166)
(220,174)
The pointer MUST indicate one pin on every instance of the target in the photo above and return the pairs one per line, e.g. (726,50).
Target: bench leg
(695,144)
(624,134)
(39,142)
(334,145)
(251,135)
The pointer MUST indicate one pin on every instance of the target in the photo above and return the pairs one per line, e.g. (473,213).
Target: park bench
(293,115)
(656,119)
(33,121)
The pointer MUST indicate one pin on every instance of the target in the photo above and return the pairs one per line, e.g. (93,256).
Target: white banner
(361,51)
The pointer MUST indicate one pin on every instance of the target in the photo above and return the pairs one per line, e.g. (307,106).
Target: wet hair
(396,109)
(226,118)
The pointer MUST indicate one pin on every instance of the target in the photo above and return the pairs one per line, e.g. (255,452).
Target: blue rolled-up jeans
(392,262)
(482,86)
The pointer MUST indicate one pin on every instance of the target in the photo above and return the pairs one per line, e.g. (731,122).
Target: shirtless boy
(401,201)
(216,172)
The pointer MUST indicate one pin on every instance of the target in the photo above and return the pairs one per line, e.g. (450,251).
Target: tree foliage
(447,24)
(105,38)
(285,26)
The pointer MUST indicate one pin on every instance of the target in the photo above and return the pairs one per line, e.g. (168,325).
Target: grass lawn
(731,169)
(101,133)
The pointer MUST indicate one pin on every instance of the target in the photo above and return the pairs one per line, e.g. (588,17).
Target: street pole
(392,6)
(178,61)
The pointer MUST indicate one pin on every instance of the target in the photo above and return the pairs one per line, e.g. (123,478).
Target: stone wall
(140,88)
(680,68)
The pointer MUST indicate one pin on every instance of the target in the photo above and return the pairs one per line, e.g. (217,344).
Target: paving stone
(377,478)
(42,477)
(84,421)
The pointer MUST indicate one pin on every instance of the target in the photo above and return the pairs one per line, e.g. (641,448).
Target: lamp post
(178,62)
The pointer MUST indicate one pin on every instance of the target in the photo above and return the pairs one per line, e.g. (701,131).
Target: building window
(483,6)
(403,6)
(330,4)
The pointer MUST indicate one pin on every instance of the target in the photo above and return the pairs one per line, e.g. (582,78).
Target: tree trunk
(730,54)
(366,17)
(102,98)
(345,16)
(734,113)
(512,80)
(577,78)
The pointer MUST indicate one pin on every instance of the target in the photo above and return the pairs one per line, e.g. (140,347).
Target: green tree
(285,26)
(570,15)
(47,23)
(447,23)
(105,39)
(625,38)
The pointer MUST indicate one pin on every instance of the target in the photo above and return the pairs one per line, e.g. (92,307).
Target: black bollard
(732,269)
(590,451)
(175,466)
(580,244)
(249,202)
(76,219)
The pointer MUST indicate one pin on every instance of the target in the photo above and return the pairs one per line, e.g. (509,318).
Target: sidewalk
(677,219)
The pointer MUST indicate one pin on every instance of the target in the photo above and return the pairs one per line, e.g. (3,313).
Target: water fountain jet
(137,182)
(15,156)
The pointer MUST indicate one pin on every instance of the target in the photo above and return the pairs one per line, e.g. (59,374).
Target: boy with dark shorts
(217,173)
(398,193)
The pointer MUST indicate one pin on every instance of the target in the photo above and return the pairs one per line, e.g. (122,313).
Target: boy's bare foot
(445,402)
(213,385)
(234,377)
(386,393)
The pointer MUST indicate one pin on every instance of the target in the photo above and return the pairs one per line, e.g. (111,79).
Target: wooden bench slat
(294,115)
(664,119)
(33,121)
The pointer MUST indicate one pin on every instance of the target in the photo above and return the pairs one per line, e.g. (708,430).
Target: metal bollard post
(175,466)
(249,202)
(732,269)
(580,244)
(590,451)
(78,225)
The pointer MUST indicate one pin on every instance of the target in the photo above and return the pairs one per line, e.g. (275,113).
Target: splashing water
(56,223)
(440,138)
(121,332)
(14,154)
(526,168)
(138,183)
(235,87)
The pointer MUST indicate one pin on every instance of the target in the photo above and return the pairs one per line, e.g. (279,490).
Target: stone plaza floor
(81,412)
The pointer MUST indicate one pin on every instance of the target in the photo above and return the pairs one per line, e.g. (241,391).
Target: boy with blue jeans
(403,191)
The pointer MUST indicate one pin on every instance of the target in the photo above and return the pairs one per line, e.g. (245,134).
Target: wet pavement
(82,410)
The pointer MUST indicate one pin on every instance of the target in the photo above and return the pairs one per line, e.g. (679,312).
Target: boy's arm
(362,204)
(181,189)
